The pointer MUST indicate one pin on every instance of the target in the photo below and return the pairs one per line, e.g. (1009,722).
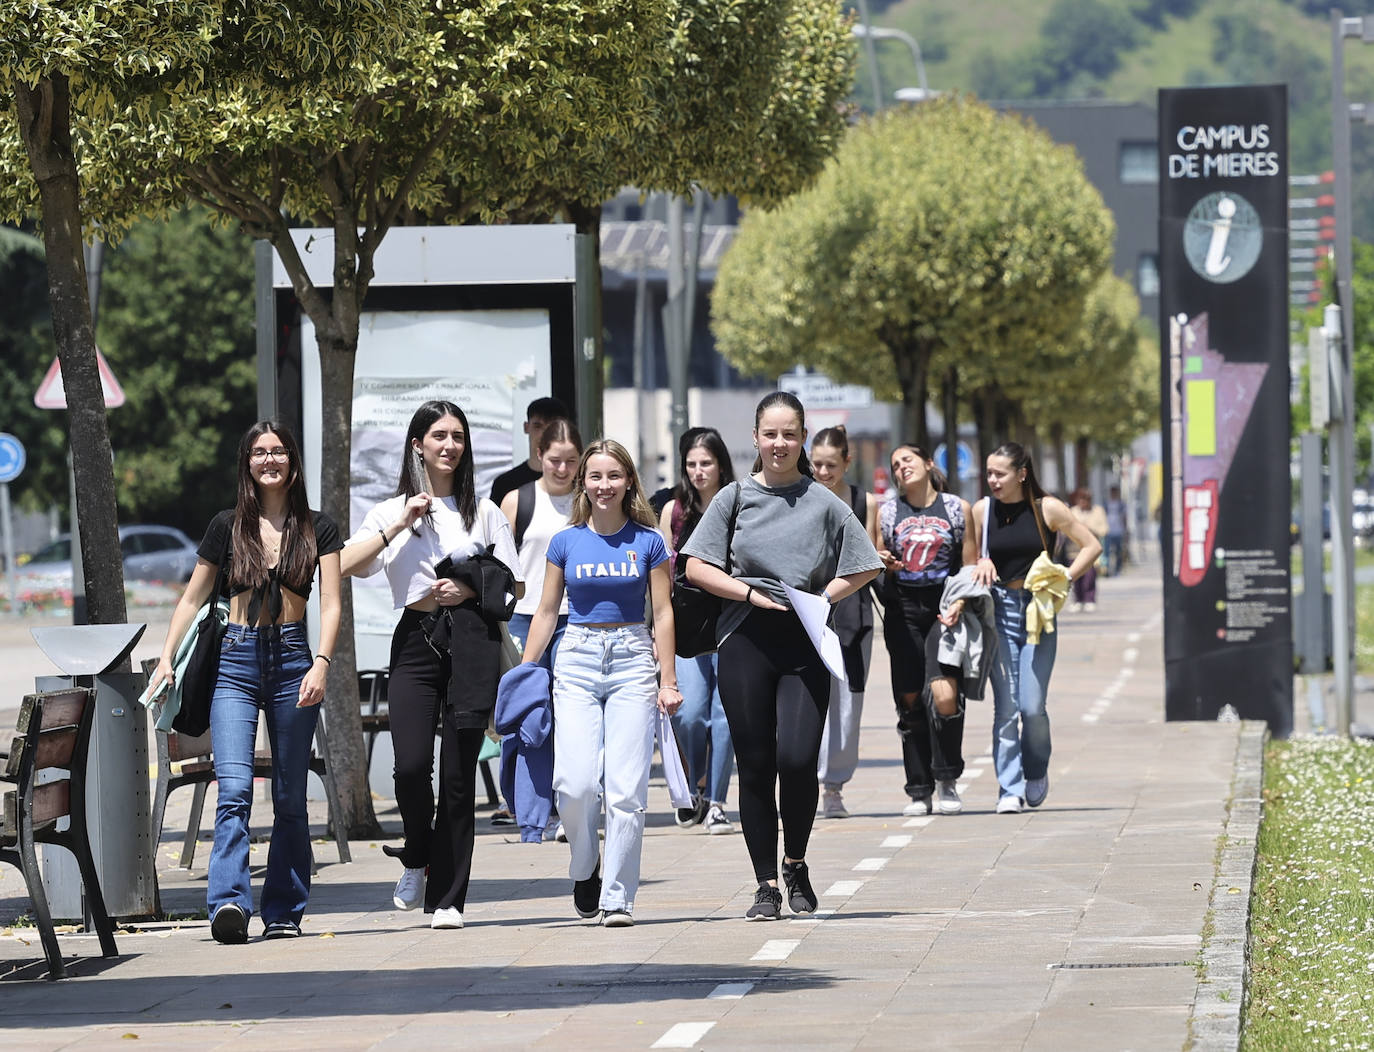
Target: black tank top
(1013,538)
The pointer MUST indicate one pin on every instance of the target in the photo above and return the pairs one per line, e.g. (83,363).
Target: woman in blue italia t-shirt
(604,691)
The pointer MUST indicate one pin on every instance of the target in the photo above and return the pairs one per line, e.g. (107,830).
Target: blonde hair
(633,505)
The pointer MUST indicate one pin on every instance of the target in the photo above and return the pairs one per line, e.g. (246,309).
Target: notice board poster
(1223,263)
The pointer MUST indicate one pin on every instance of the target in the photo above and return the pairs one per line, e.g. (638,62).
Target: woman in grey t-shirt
(774,687)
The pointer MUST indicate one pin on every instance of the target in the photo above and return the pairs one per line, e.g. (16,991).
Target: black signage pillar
(1223,264)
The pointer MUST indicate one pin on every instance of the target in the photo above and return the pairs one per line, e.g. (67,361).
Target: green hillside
(1127,49)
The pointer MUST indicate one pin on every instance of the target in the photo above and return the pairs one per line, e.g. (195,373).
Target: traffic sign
(963,457)
(52,395)
(12,459)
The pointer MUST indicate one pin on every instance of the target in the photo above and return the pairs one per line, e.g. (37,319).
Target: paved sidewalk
(1077,926)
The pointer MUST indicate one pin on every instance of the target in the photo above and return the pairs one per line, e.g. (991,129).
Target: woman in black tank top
(1018,521)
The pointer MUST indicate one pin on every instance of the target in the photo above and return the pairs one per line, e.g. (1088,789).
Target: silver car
(151,553)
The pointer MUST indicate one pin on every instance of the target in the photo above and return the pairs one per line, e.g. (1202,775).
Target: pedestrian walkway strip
(729,991)
(870,865)
(683,1035)
(919,823)
(842,888)
(897,841)
(776,950)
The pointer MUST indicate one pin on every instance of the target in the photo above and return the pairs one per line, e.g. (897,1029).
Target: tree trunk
(913,366)
(1061,473)
(950,409)
(1081,466)
(44,112)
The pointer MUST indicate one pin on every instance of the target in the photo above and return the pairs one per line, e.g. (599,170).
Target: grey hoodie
(971,643)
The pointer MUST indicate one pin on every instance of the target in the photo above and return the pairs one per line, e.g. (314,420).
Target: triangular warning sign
(52,395)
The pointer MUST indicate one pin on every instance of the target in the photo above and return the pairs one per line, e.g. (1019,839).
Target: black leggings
(415,697)
(775,690)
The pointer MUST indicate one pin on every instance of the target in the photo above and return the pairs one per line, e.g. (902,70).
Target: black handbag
(202,667)
(695,610)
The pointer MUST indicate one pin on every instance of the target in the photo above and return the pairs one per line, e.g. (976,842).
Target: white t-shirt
(410,558)
(550,515)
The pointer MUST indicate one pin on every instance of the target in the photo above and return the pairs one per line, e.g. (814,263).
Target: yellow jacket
(1048,583)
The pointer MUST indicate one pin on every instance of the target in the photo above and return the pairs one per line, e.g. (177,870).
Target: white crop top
(550,515)
(410,558)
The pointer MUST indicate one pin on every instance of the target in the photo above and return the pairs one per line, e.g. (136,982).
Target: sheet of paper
(814,611)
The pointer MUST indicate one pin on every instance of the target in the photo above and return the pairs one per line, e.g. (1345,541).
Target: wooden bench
(53,734)
(197,769)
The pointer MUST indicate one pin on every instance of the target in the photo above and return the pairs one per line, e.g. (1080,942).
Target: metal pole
(8,525)
(871,54)
(1340,327)
(675,339)
(1312,604)
(265,317)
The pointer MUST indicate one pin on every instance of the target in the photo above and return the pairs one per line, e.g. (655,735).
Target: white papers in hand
(814,611)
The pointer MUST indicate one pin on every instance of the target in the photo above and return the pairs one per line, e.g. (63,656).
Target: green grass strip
(1312,914)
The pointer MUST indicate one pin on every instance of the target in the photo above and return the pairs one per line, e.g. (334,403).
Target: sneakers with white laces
(717,822)
(446,917)
(832,805)
(947,797)
(410,889)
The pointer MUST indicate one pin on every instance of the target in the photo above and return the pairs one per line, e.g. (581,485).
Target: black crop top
(218,534)
(1013,538)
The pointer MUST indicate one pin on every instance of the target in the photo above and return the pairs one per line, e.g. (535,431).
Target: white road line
(910,823)
(729,991)
(870,864)
(776,950)
(683,1035)
(974,772)
(1133,637)
(1089,717)
(1129,655)
(843,887)
(1126,673)
(896,841)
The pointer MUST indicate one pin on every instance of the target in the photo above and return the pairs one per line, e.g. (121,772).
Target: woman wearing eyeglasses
(274,545)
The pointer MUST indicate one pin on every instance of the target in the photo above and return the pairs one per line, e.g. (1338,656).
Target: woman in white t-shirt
(435,514)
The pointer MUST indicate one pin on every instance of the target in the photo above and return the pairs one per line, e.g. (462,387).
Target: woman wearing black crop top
(274,544)
(1020,676)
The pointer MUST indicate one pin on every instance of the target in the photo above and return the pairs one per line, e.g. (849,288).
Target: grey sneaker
(1037,789)
(767,904)
(832,805)
(947,793)
(410,889)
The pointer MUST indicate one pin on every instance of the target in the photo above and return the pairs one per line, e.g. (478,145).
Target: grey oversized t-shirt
(801,535)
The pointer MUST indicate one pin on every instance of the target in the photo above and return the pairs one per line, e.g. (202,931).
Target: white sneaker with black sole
(947,797)
(717,822)
(917,807)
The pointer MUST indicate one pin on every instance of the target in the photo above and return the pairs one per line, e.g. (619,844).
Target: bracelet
(670,686)
(749,596)
(325,658)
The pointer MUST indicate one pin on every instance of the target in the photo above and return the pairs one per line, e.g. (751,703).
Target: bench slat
(51,802)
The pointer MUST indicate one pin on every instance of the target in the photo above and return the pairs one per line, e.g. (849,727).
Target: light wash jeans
(701,722)
(257,672)
(604,688)
(1020,681)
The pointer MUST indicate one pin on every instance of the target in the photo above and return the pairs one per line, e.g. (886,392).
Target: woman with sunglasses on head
(436,515)
(830,459)
(700,723)
(924,542)
(791,531)
(611,562)
(272,545)
(1013,528)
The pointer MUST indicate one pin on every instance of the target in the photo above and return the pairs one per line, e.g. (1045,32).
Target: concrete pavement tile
(928,1024)
(1109,1029)
(1123,987)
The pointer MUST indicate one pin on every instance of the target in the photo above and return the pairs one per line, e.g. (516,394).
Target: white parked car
(151,553)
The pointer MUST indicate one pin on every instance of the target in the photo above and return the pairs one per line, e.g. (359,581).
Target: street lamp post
(870,33)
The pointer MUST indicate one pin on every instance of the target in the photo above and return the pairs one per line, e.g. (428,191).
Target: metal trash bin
(117,797)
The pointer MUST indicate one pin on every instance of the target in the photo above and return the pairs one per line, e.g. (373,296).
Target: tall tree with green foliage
(943,234)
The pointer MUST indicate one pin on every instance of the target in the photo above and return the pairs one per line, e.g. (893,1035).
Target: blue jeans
(700,722)
(519,626)
(1020,680)
(257,671)
(604,689)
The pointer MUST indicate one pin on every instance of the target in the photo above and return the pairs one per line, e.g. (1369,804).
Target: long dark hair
(787,400)
(686,495)
(937,477)
(296,558)
(1021,460)
(412,480)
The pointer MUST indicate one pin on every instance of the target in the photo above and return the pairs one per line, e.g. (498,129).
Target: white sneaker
(717,821)
(1009,805)
(947,793)
(918,807)
(1088,608)
(832,805)
(446,917)
(560,834)
(410,889)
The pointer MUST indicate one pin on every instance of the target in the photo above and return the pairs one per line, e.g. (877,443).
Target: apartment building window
(1139,162)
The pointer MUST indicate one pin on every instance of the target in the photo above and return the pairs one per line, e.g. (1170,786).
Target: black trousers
(419,683)
(775,690)
(932,745)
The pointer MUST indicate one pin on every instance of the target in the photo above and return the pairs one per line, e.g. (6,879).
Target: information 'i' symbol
(1217,260)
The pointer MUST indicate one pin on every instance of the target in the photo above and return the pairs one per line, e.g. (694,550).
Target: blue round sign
(12,458)
(963,459)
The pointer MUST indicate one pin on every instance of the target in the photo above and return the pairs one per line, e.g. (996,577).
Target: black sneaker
(587,895)
(282,929)
(767,904)
(502,818)
(230,924)
(687,817)
(801,897)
